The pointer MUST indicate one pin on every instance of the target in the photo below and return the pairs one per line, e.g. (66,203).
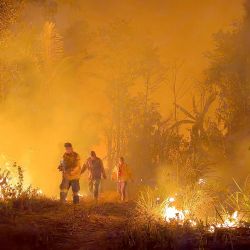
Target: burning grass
(162,235)
(193,204)
(13,193)
(194,217)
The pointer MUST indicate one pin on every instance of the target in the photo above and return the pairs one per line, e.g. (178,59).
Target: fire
(173,214)
(211,229)
(231,221)
(39,192)
(201,181)
(1,194)
(12,181)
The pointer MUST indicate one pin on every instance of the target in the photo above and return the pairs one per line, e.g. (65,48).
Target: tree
(131,63)
(118,69)
(151,72)
(51,45)
(9,12)
(229,75)
(197,119)
(143,136)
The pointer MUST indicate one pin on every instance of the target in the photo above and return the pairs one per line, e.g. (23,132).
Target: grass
(148,230)
(108,225)
(31,221)
(153,234)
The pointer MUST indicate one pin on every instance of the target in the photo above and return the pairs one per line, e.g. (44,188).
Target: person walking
(96,171)
(71,171)
(122,174)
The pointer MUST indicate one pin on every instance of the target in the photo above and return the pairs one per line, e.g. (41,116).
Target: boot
(76,199)
(63,197)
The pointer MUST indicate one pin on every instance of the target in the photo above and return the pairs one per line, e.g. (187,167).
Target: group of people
(71,169)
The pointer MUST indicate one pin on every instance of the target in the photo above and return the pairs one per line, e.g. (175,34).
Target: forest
(102,88)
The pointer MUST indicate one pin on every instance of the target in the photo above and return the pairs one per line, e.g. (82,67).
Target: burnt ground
(47,224)
(50,225)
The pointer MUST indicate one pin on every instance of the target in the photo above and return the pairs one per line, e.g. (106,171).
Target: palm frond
(207,105)
(183,110)
(52,44)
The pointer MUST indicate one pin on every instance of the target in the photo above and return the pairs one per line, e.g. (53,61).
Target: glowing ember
(201,182)
(171,199)
(211,229)
(192,223)
(39,192)
(231,221)
(1,194)
(173,214)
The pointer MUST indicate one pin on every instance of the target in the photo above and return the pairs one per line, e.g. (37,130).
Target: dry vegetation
(48,225)
(31,221)
(182,162)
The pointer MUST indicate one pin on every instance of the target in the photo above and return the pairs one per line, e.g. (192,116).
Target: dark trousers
(122,188)
(94,186)
(65,186)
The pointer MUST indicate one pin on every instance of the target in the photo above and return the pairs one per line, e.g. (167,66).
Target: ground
(55,226)
(47,224)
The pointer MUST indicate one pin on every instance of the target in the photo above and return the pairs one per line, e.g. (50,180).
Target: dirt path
(104,225)
(85,227)
(99,227)
(50,225)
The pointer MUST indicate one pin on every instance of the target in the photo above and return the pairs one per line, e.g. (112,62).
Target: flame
(231,221)
(201,181)
(171,213)
(1,193)
(171,199)
(10,180)
(39,192)
(211,229)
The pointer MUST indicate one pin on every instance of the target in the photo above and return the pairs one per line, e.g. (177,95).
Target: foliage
(238,200)
(9,12)
(148,205)
(155,235)
(197,199)
(134,116)
(13,194)
(52,45)
(229,75)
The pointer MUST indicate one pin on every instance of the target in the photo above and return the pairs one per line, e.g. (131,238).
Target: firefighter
(71,172)
(96,171)
(122,174)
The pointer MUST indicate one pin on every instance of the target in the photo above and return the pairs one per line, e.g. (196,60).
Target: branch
(185,112)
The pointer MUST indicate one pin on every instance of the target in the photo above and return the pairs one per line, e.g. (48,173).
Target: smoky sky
(37,126)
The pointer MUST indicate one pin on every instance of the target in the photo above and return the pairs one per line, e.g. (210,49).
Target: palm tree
(196,119)
(52,44)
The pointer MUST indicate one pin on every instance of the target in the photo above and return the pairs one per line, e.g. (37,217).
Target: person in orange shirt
(122,174)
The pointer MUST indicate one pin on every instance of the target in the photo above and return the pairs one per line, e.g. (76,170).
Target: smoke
(47,97)
(51,87)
